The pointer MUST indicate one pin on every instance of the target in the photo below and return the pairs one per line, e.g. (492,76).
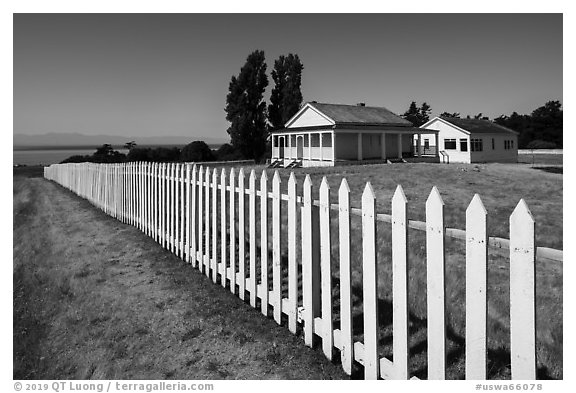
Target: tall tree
(286,96)
(418,115)
(246,108)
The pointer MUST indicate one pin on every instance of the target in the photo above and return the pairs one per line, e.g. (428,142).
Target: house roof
(478,126)
(358,115)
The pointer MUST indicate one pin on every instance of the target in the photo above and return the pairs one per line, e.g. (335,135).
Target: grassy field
(501,186)
(96,299)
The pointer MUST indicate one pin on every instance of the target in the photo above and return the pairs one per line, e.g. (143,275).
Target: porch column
(360,146)
(419,145)
(290,145)
(383,146)
(274,146)
(399,145)
(333,146)
(437,144)
(309,145)
(321,152)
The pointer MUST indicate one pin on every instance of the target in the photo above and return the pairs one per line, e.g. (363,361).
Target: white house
(471,141)
(328,134)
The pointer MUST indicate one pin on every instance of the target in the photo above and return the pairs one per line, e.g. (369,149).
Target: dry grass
(97,299)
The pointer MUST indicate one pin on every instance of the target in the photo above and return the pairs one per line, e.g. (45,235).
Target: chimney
(361,104)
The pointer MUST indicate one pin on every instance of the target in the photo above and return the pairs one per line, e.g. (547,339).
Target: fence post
(400,283)
(522,293)
(292,264)
(326,269)
(276,252)
(370,284)
(436,289)
(232,212)
(476,286)
(241,235)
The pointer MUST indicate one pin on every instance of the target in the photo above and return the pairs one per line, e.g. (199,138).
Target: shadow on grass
(550,169)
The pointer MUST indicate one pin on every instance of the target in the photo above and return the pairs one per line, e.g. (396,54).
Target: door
(300,147)
(281,147)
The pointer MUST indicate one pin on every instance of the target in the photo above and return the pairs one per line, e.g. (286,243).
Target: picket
(192,233)
(435,277)
(214,257)
(346,343)
(370,284)
(187,213)
(292,309)
(223,248)
(253,282)
(276,299)
(206,254)
(178,205)
(476,289)
(400,283)
(522,293)
(232,213)
(264,243)
(183,205)
(198,256)
(169,200)
(326,269)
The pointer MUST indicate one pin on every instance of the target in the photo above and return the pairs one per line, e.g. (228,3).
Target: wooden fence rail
(208,218)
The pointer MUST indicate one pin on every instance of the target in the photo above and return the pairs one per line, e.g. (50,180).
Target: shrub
(197,151)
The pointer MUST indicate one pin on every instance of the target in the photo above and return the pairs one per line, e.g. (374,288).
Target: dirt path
(94,298)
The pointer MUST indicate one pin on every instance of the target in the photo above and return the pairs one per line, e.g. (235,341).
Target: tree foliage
(544,124)
(453,115)
(197,151)
(246,108)
(286,96)
(418,115)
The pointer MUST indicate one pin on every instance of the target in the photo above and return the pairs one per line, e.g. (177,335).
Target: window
(315,140)
(476,145)
(426,144)
(493,144)
(508,144)
(512,144)
(463,145)
(275,141)
(450,144)
(326,140)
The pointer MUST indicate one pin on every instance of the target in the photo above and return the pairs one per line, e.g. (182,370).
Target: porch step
(294,164)
(275,164)
(395,160)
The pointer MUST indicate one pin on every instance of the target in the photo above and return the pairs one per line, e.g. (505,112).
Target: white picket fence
(200,214)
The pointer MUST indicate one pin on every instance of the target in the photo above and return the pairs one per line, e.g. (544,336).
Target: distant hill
(75,139)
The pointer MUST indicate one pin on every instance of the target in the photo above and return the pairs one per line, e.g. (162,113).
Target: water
(47,157)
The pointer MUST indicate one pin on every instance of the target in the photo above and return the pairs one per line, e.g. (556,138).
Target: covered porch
(330,147)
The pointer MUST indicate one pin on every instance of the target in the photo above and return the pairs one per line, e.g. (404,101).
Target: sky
(168,74)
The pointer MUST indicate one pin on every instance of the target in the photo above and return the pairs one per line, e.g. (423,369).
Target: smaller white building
(471,141)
